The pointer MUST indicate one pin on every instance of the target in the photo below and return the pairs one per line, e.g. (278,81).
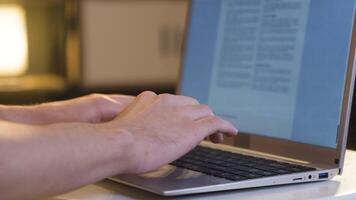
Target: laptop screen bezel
(314,154)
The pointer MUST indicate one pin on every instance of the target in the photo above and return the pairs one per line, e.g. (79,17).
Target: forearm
(94,108)
(48,160)
(19,114)
(40,114)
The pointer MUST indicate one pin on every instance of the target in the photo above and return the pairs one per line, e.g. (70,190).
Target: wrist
(50,113)
(100,151)
(126,149)
(45,114)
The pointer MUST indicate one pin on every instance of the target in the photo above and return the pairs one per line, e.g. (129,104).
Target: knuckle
(96,96)
(165,98)
(146,94)
(191,100)
(207,109)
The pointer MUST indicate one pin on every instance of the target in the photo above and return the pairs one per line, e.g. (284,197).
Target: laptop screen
(274,68)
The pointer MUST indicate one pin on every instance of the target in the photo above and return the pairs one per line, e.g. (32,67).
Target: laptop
(283,72)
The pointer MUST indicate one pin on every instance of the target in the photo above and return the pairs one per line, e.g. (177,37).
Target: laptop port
(323,175)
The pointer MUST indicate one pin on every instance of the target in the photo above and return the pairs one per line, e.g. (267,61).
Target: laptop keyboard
(234,166)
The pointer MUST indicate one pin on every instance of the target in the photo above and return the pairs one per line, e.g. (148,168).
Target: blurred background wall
(69,48)
(79,47)
(132,43)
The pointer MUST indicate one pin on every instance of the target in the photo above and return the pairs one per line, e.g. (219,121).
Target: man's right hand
(164,128)
(150,131)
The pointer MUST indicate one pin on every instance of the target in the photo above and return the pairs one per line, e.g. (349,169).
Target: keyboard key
(278,165)
(252,175)
(266,173)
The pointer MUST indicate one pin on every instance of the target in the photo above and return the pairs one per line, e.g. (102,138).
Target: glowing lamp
(13,40)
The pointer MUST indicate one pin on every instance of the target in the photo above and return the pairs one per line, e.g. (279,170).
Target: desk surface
(341,187)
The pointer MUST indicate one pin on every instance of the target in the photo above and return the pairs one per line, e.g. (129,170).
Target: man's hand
(165,127)
(153,130)
(93,108)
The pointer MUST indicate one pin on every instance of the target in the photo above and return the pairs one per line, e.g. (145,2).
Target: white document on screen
(257,63)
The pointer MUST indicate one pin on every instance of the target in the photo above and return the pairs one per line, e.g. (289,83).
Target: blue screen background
(324,65)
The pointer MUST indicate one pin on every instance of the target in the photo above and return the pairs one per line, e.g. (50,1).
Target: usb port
(323,175)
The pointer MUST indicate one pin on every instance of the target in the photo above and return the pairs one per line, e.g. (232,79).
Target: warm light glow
(13,40)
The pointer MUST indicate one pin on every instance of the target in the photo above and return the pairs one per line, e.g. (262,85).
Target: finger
(177,100)
(217,138)
(111,105)
(120,102)
(213,124)
(141,101)
(196,112)
(123,99)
